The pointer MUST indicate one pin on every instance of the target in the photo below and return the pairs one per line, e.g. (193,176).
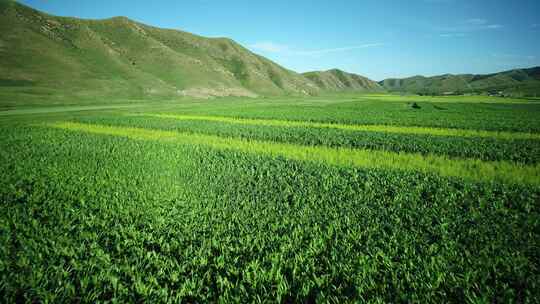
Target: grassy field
(358,198)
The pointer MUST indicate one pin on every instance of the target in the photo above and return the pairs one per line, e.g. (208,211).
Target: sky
(375,38)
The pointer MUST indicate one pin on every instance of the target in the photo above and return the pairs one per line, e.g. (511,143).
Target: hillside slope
(514,82)
(338,81)
(48,55)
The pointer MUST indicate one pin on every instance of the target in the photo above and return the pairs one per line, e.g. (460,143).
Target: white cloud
(272,47)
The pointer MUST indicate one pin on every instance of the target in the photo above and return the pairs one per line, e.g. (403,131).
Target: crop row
(357,111)
(487,149)
(463,168)
(365,128)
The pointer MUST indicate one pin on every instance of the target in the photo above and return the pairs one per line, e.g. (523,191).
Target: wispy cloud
(476,21)
(453,35)
(468,26)
(493,26)
(272,47)
(440,1)
(513,57)
(340,49)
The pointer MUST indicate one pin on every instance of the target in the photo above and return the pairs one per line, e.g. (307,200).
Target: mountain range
(45,55)
(525,82)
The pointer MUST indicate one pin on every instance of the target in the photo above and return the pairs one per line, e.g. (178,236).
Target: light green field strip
(464,168)
(368,128)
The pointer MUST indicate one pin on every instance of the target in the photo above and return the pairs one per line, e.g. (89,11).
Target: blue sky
(375,38)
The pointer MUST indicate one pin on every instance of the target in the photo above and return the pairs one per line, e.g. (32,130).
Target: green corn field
(362,199)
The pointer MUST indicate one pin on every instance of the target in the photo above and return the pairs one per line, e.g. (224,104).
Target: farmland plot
(199,204)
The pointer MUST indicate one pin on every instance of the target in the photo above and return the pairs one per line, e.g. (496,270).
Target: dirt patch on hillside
(216,92)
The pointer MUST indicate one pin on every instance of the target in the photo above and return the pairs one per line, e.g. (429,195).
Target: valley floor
(347,198)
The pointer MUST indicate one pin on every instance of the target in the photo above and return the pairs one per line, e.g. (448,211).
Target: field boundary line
(62,109)
(501,171)
(350,127)
(449,99)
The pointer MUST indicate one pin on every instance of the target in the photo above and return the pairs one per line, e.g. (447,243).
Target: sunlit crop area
(360,199)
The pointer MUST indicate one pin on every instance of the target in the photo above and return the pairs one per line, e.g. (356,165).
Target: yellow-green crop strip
(367,128)
(465,168)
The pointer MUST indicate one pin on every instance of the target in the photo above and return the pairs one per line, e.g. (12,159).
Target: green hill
(43,55)
(47,55)
(338,81)
(519,82)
